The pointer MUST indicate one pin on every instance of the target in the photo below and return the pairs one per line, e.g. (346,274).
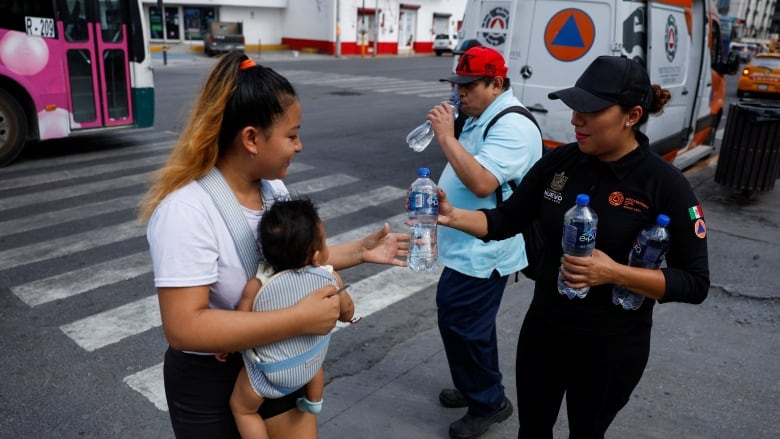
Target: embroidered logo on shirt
(553,193)
(700,229)
(695,212)
(616,198)
(558,182)
(627,202)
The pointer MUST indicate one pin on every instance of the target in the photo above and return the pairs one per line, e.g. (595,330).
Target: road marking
(137,146)
(379,84)
(90,278)
(81,212)
(152,157)
(108,327)
(149,383)
(68,245)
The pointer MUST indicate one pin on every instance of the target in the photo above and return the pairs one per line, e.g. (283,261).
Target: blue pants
(467,309)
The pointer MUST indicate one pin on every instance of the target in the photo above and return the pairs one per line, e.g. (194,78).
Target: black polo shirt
(627,195)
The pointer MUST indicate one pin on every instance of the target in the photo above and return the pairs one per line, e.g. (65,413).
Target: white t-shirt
(191,246)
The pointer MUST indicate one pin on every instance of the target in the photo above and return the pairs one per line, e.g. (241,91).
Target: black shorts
(198,389)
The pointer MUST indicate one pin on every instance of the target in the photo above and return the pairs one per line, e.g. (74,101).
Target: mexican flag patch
(695,212)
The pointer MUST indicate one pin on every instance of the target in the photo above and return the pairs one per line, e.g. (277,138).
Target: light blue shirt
(511,147)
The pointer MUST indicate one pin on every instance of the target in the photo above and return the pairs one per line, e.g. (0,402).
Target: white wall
(262,26)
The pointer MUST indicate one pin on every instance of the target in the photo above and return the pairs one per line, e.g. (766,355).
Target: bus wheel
(13,128)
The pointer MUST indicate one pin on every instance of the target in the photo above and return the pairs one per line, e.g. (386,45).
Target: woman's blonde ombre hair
(234,96)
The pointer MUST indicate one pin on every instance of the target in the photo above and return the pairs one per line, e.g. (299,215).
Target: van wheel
(13,128)
(438,53)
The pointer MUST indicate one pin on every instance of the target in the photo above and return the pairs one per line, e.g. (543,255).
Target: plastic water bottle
(420,137)
(423,215)
(648,251)
(579,239)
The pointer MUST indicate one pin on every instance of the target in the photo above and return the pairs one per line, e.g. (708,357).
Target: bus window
(116,84)
(74,20)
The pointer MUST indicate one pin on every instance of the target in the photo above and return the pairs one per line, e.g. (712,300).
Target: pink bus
(71,66)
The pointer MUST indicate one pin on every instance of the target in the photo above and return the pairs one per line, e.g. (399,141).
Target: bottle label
(648,255)
(578,239)
(422,203)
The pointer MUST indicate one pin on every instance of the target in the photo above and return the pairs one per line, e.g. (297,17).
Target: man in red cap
(494,149)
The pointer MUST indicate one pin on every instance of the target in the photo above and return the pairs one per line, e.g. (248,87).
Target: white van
(549,43)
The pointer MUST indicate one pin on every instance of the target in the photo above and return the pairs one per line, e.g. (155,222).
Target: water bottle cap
(423,172)
(663,220)
(583,199)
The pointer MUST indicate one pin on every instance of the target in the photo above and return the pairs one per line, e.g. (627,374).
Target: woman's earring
(252,155)
(628,124)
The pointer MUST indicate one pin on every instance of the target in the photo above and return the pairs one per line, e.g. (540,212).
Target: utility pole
(376,27)
(338,28)
(363,31)
(165,32)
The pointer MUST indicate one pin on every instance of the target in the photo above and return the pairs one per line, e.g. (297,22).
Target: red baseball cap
(478,62)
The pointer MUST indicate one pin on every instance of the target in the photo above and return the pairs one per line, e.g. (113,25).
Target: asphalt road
(81,336)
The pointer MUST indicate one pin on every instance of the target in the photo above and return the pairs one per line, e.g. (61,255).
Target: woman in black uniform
(589,349)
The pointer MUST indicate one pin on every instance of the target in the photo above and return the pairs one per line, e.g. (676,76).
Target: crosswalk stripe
(86,279)
(387,287)
(47,219)
(68,245)
(396,225)
(73,191)
(154,156)
(149,383)
(92,155)
(320,184)
(379,84)
(89,188)
(114,325)
(353,203)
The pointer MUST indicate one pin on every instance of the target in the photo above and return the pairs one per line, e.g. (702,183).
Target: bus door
(94,34)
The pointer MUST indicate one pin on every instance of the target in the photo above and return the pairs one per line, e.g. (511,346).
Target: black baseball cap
(608,80)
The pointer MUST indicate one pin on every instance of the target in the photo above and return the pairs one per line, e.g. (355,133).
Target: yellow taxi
(761,76)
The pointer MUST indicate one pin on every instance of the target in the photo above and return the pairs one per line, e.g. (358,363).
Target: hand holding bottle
(419,138)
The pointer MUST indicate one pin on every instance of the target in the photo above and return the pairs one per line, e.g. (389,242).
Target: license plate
(39,27)
(762,86)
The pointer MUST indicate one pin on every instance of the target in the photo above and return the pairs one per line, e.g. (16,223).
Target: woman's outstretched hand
(383,247)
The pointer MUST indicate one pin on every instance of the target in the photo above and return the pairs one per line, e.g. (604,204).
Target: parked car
(761,76)
(223,37)
(444,43)
(745,50)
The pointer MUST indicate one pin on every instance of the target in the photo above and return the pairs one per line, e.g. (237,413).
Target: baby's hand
(347,307)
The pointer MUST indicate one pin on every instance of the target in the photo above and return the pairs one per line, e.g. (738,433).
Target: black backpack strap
(515,109)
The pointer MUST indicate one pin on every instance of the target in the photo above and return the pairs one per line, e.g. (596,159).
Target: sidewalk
(713,370)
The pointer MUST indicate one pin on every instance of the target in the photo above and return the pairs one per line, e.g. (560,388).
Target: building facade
(756,18)
(347,27)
